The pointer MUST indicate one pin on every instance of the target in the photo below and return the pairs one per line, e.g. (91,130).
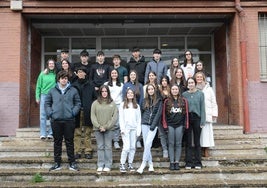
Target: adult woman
(188,66)
(130,125)
(135,86)
(173,67)
(46,80)
(164,87)
(138,89)
(175,111)
(104,114)
(151,112)
(65,64)
(115,87)
(179,79)
(200,68)
(211,108)
(197,119)
(151,79)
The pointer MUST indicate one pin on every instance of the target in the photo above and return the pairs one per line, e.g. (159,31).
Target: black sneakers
(74,166)
(56,166)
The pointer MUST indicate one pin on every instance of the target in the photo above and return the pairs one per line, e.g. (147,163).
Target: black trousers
(194,130)
(63,129)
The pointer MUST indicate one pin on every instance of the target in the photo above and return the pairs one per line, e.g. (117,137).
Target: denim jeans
(129,140)
(63,129)
(104,148)
(163,137)
(148,137)
(45,129)
(194,128)
(175,136)
(116,130)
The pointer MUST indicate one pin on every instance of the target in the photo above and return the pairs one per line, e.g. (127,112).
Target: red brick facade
(20,50)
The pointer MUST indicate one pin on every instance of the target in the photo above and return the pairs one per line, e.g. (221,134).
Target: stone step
(45,162)
(47,150)
(162,177)
(218,130)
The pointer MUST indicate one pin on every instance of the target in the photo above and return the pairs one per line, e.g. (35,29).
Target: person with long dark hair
(188,66)
(197,119)
(130,125)
(151,113)
(104,114)
(115,87)
(175,117)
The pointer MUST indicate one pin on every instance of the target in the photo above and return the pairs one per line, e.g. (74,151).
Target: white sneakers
(142,167)
(100,169)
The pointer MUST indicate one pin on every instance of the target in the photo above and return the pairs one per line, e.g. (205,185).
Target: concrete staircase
(237,160)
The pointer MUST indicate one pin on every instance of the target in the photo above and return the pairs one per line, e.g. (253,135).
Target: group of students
(130,101)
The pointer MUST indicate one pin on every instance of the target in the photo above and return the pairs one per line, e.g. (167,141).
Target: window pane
(79,44)
(115,44)
(172,43)
(200,43)
(55,44)
(263,46)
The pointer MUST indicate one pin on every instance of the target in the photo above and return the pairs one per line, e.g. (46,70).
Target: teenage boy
(123,73)
(62,105)
(137,63)
(84,62)
(100,71)
(84,126)
(156,65)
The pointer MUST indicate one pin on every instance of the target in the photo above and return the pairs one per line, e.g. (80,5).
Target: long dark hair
(171,99)
(126,101)
(100,99)
(136,83)
(69,69)
(185,60)
(150,100)
(110,82)
(172,68)
(161,87)
(174,79)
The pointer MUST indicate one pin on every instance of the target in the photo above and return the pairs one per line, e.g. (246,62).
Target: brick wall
(10,33)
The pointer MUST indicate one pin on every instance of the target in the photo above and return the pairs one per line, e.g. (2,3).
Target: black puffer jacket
(152,115)
(62,107)
(139,67)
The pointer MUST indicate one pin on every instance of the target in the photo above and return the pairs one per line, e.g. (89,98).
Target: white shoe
(106,169)
(138,144)
(117,145)
(151,168)
(141,168)
(99,169)
(165,154)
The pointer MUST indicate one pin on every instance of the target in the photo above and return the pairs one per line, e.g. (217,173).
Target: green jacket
(44,83)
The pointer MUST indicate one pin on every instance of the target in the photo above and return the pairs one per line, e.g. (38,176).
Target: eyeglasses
(187,54)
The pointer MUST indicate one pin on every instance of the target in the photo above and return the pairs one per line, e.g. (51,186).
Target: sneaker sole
(55,169)
(73,169)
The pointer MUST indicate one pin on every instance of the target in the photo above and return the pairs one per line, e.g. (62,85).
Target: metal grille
(263,45)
